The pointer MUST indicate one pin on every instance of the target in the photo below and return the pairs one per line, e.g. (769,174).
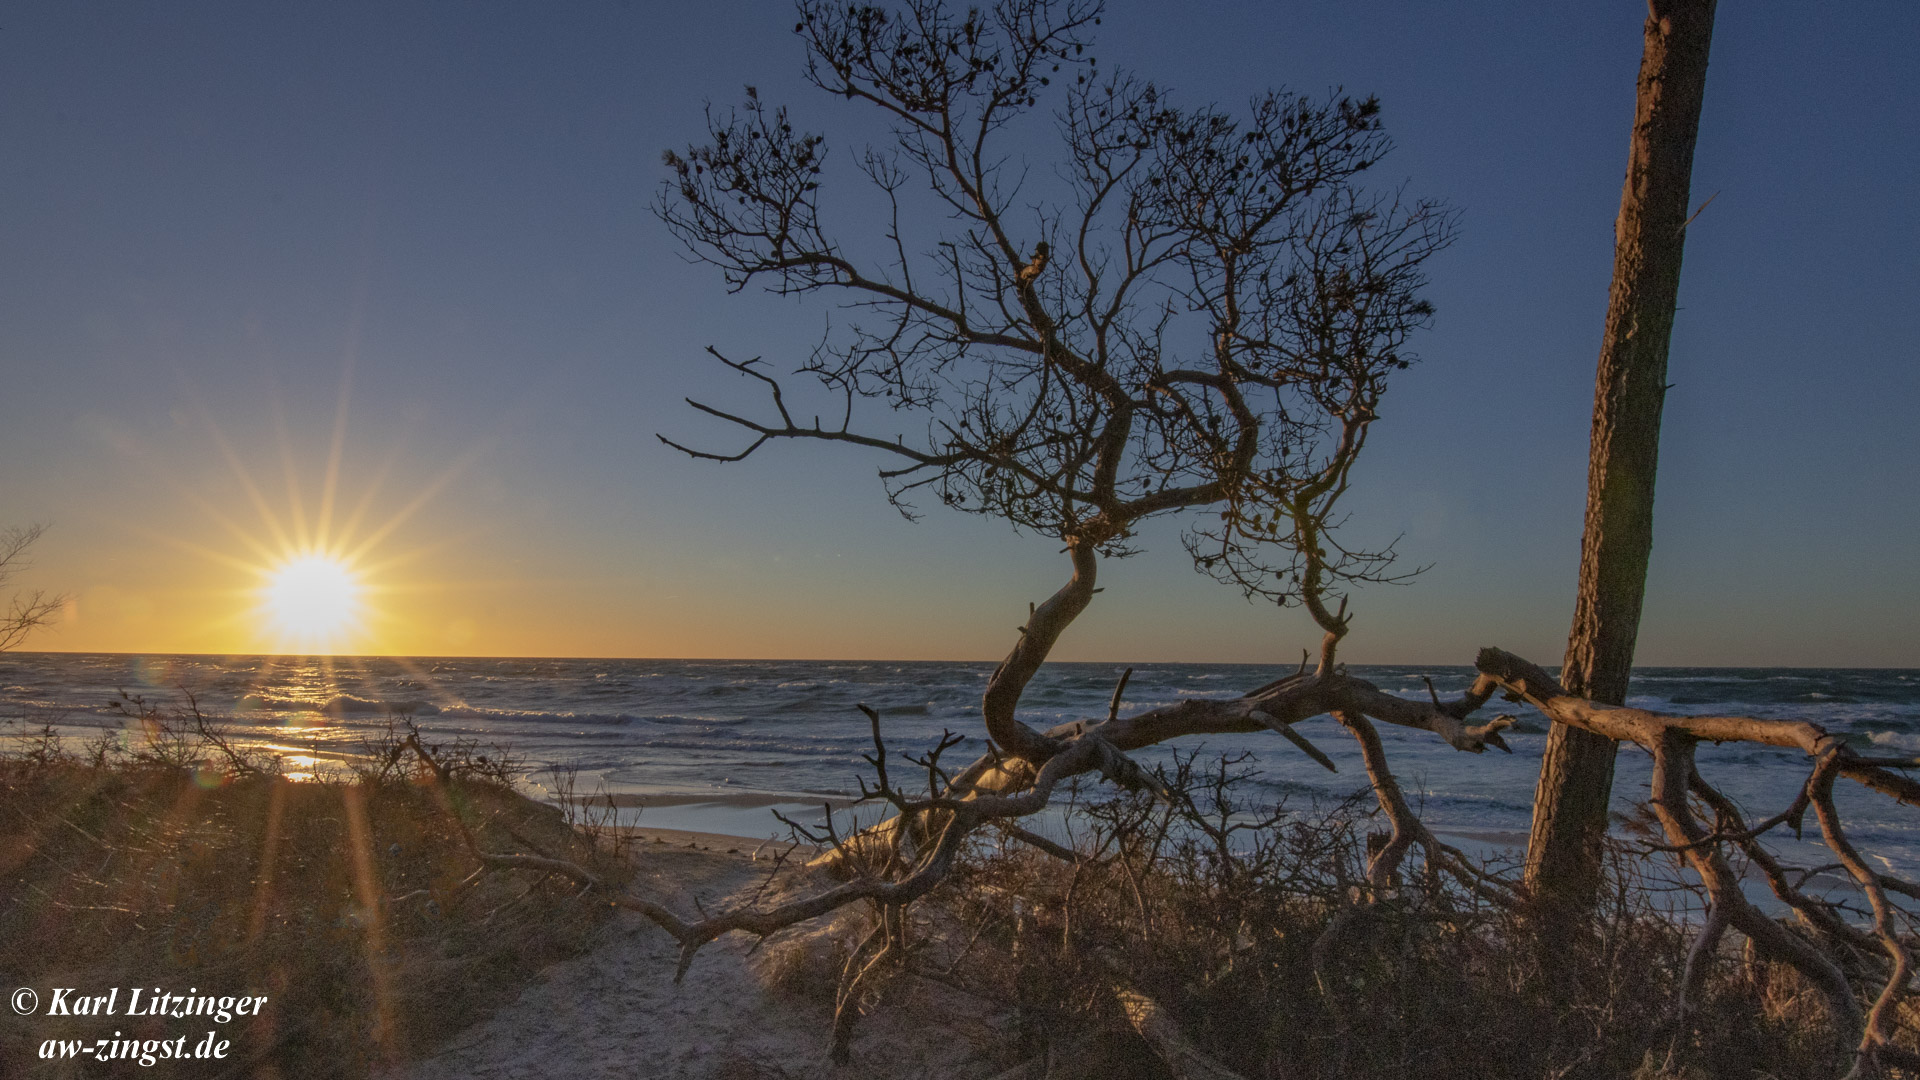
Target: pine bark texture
(1576,776)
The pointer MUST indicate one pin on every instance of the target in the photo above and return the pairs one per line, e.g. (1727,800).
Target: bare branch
(25,612)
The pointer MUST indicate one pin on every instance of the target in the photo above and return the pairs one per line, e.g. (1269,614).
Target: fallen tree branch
(1503,670)
(1157,1026)
(1877,1033)
(1035,840)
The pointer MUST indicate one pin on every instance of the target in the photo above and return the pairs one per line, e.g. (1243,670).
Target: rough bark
(1576,775)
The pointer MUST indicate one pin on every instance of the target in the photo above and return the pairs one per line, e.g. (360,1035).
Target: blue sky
(222,221)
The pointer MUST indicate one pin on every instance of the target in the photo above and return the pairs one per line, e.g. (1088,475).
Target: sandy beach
(616,1012)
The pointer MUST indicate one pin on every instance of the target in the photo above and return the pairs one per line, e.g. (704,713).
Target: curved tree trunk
(1044,626)
(1576,777)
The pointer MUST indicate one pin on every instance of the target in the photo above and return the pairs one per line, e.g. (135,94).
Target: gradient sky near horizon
(243,241)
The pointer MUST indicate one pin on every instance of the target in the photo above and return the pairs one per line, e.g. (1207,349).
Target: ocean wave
(728,747)
(348,705)
(514,716)
(806,705)
(338,705)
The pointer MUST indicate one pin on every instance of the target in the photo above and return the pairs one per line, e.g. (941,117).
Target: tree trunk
(1044,627)
(1576,777)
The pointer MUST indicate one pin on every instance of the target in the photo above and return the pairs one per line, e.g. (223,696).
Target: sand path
(615,1012)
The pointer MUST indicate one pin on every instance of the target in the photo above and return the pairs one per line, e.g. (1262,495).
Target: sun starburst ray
(290,470)
(414,505)
(330,484)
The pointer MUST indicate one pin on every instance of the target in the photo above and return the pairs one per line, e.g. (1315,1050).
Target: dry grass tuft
(1270,957)
(805,963)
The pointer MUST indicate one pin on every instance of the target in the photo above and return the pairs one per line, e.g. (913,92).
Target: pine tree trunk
(1576,777)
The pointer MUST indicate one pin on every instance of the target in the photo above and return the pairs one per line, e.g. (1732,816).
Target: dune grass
(1258,946)
(350,903)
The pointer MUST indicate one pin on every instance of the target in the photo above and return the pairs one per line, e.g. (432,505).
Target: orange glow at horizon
(301,556)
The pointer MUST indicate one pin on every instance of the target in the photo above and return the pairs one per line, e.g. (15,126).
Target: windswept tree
(1198,316)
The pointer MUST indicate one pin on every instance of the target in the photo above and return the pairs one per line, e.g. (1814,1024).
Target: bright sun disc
(312,596)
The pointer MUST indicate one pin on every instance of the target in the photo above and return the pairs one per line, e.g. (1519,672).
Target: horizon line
(872,660)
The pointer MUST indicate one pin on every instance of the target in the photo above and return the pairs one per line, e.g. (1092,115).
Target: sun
(315,577)
(312,596)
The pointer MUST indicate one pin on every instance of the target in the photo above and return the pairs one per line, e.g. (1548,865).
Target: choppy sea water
(716,732)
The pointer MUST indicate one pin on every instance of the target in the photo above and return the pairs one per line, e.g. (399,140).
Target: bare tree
(25,611)
(1576,775)
(1202,312)
(1200,317)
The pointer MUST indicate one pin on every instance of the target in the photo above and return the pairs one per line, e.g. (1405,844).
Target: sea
(720,745)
